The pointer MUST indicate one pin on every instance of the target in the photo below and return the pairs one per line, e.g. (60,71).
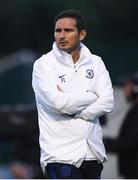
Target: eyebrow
(65,29)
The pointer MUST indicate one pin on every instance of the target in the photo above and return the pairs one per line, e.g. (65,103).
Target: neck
(75,56)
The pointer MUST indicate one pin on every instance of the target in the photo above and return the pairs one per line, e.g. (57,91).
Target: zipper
(75,68)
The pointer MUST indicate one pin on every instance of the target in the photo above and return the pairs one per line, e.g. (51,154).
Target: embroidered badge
(89,73)
(62,78)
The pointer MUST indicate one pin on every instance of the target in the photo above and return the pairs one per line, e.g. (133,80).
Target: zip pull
(75,68)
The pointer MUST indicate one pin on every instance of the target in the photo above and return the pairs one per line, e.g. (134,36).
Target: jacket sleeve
(105,101)
(45,83)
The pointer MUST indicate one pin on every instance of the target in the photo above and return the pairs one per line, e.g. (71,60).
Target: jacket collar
(66,58)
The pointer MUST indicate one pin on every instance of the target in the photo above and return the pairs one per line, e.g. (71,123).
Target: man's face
(66,34)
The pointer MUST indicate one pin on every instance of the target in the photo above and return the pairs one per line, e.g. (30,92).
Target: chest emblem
(62,78)
(89,73)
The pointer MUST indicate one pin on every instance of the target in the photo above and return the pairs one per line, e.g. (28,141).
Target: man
(126,144)
(72,89)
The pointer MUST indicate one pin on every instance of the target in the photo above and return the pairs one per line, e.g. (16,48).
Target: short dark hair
(72,14)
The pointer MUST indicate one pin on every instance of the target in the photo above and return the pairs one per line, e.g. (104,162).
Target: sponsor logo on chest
(62,78)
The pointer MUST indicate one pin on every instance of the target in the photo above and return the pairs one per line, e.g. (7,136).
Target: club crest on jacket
(89,73)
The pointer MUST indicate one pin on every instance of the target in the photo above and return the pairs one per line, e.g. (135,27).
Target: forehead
(66,23)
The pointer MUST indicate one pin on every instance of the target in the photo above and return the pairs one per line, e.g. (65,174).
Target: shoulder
(96,60)
(98,63)
(45,60)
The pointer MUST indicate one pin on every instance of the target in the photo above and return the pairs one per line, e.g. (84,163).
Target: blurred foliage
(112,28)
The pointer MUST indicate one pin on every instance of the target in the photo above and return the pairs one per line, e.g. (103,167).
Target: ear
(83,35)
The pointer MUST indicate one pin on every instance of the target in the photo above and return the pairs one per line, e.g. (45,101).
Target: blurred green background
(28,24)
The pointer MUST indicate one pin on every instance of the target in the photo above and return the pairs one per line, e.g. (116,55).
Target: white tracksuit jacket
(68,120)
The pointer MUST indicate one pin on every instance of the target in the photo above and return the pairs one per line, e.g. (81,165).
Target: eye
(58,30)
(68,30)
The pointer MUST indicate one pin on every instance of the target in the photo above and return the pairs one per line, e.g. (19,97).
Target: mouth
(63,43)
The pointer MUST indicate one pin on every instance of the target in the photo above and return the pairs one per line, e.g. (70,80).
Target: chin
(64,49)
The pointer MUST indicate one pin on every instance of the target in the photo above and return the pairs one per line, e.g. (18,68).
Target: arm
(105,100)
(48,94)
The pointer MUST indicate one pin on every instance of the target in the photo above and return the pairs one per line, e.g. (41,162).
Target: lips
(63,42)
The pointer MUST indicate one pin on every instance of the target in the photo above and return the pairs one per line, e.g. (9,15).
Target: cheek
(74,39)
(56,37)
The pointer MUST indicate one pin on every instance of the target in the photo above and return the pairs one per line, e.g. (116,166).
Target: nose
(62,34)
